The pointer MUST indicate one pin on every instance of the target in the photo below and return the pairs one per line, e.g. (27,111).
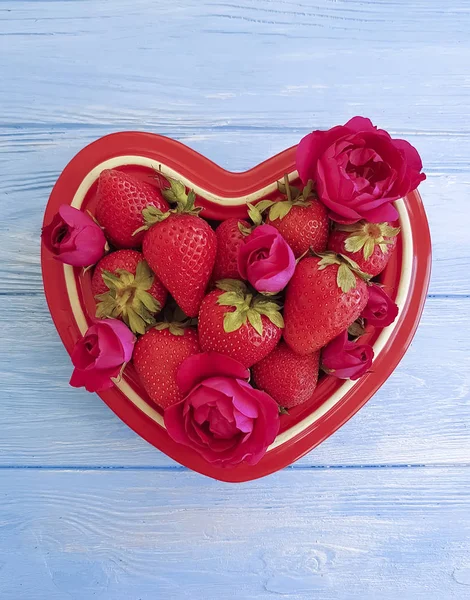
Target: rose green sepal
(283,410)
(347,269)
(118,377)
(248,307)
(366,236)
(127,298)
(357,329)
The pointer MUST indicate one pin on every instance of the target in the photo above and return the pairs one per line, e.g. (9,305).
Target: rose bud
(266,260)
(380,309)
(74,238)
(345,359)
(101,354)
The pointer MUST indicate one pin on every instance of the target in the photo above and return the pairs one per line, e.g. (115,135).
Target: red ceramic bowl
(224,194)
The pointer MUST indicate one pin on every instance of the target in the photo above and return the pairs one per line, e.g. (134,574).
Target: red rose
(359,170)
(345,359)
(380,309)
(222,417)
(74,238)
(266,260)
(100,354)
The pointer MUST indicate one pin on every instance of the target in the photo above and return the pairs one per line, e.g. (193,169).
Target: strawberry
(157,357)
(370,245)
(301,219)
(121,200)
(238,324)
(287,377)
(230,234)
(324,297)
(181,248)
(126,288)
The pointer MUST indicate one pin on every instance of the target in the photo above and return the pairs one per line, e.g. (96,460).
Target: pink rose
(266,260)
(100,354)
(380,309)
(74,238)
(345,359)
(359,170)
(222,417)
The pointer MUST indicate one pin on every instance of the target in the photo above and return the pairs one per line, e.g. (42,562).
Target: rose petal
(220,426)
(311,147)
(347,359)
(380,310)
(93,380)
(199,367)
(243,422)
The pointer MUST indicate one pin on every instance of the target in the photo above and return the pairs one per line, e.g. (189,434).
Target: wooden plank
(420,415)
(28,177)
(328,534)
(64,98)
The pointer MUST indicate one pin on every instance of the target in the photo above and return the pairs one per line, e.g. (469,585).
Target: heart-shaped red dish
(224,194)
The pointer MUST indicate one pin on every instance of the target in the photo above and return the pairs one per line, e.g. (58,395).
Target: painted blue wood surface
(89,510)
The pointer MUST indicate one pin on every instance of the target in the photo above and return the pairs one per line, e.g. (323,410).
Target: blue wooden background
(90,511)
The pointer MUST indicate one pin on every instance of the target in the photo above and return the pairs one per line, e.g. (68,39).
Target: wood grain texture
(238,81)
(420,415)
(27,180)
(333,60)
(368,534)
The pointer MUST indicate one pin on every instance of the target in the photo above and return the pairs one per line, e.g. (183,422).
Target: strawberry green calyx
(347,270)
(281,208)
(153,215)
(366,236)
(174,327)
(128,298)
(248,307)
(243,229)
(176,193)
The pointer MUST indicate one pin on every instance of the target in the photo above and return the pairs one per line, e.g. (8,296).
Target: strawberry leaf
(263,205)
(307,189)
(354,243)
(369,247)
(143,276)
(254,214)
(254,319)
(279,210)
(243,229)
(231,285)
(231,299)
(234,320)
(388,231)
(345,278)
(176,192)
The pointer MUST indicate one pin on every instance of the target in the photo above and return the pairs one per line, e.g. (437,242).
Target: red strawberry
(301,219)
(181,248)
(157,357)
(235,323)
(287,377)
(325,295)
(121,200)
(229,239)
(370,245)
(126,288)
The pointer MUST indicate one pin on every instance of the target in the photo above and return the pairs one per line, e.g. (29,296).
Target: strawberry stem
(288,190)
